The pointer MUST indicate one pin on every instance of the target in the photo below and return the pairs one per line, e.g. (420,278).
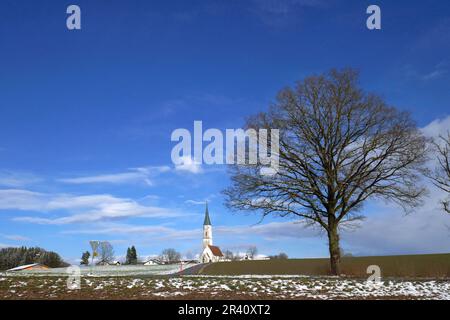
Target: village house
(153,262)
(33,266)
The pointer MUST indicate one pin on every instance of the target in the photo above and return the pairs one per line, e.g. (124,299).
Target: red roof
(216,251)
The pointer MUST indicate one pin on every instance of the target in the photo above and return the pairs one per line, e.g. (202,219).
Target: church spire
(207,221)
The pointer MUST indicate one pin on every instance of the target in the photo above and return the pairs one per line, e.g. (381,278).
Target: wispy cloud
(123,229)
(17,179)
(434,73)
(438,71)
(22,200)
(389,231)
(189,165)
(78,209)
(437,127)
(280,13)
(133,175)
(270,231)
(201,202)
(195,202)
(286,229)
(399,232)
(145,232)
(14,237)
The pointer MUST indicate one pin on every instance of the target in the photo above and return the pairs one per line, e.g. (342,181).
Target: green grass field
(407,266)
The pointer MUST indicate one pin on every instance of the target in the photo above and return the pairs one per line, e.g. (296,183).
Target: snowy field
(108,271)
(213,287)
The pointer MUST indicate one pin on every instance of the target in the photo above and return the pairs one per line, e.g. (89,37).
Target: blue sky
(86,116)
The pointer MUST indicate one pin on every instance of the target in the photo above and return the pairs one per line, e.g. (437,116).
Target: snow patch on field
(275,287)
(106,271)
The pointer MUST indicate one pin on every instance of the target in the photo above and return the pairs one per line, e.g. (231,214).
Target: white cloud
(434,73)
(201,202)
(14,237)
(116,229)
(81,209)
(134,175)
(17,179)
(190,165)
(77,202)
(437,127)
(111,211)
(195,202)
(270,231)
(387,232)
(151,197)
(143,233)
(426,230)
(22,200)
(438,71)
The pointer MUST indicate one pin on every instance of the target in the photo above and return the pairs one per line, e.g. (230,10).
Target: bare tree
(441,174)
(283,256)
(170,256)
(252,251)
(106,251)
(338,148)
(280,256)
(237,256)
(94,245)
(228,254)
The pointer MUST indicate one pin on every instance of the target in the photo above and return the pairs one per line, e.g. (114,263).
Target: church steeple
(207,221)
(207,230)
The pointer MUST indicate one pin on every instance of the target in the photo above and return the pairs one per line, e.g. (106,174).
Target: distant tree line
(13,257)
(280,256)
(105,252)
(251,253)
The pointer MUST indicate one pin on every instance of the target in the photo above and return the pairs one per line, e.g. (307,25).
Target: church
(210,253)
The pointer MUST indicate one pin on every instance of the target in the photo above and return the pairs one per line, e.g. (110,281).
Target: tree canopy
(339,146)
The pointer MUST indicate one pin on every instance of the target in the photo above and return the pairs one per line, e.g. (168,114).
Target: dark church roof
(207,221)
(216,251)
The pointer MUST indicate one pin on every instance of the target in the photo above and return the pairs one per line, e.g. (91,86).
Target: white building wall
(207,236)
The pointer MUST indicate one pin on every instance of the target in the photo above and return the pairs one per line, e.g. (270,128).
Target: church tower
(210,253)
(207,230)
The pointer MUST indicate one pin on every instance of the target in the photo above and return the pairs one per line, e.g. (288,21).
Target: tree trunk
(335,251)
